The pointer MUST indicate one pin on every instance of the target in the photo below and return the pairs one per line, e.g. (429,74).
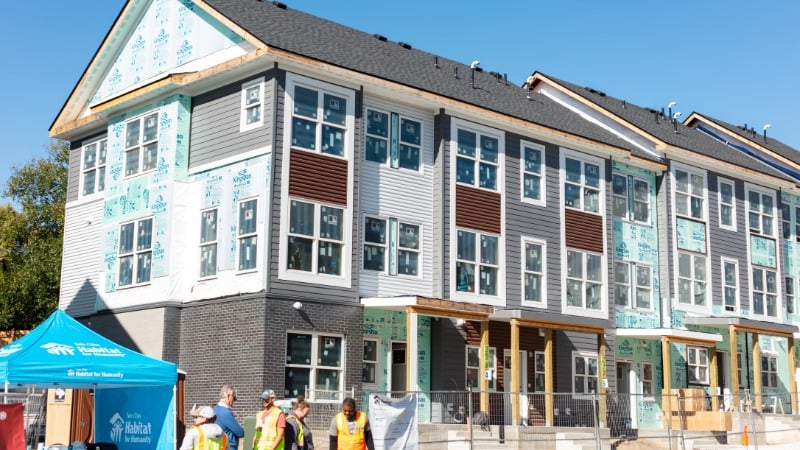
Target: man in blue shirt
(225,419)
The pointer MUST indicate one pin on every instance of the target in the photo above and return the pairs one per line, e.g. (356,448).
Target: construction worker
(206,435)
(270,424)
(349,429)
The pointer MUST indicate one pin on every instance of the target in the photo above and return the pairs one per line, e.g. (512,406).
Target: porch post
(485,365)
(412,351)
(666,391)
(714,373)
(515,379)
(548,377)
(602,374)
(756,373)
(734,367)
(792,384)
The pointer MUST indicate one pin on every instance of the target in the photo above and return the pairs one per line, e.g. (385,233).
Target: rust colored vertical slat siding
(583,231)
(478,209)
(318,177)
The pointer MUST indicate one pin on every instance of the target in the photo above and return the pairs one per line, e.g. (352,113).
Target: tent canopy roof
(63,352)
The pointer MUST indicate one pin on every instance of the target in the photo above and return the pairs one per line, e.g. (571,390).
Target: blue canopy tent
(134,394)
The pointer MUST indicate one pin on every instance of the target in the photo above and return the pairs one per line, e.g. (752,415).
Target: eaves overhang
(672,334)
(427,306)
(744,325)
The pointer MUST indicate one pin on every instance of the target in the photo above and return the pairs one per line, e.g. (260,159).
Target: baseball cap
(268,394)
(205,411)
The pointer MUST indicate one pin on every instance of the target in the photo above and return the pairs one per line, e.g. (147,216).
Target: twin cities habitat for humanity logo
(130,429)
(85,349)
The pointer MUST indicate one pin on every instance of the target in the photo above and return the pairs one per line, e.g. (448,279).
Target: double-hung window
(760,213)
(316,238)
(248,234)
(769,371)
(93,168)
(474,370)
(393,139)
(727,204)
(697,365)
(633,285)
(369,365)
(208,243)
(584,373)
(582,185)
(730,284)
(789,289)
(584,280)
(477,159)
(765,292)
(740,368)
(141,144)
(135,252)
(790,224)
(319,121)
(692,279)
(252,114)
(477,253)
(689,194)
(315,361)
(630,198)
(532,166)
(391,246)
(539,371)
(533,271)
(647,380)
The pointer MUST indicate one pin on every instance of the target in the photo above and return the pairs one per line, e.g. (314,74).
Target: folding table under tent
(134,394)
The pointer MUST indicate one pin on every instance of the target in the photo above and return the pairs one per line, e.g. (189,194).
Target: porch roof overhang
(671,334)
(530,318)
(744,325)
(433,307)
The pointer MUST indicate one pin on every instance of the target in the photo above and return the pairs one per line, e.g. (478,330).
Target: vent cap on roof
(404,45)
(280,5)
(379,37)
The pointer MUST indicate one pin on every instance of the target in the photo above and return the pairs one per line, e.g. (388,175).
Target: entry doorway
(724,380)
(397,369)
(521,388)
(625,402)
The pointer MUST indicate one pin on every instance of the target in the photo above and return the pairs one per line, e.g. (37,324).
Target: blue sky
(738,61)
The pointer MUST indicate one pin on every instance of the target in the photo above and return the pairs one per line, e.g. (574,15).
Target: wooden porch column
(602,373)
(515,365)
(666,391)
(792,384)
(548,377)
(484,383)
(756,373)
(734,367)
(714,373)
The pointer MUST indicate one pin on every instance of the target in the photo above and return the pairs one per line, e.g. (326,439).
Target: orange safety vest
(267,429)
(347,441)
(204,443)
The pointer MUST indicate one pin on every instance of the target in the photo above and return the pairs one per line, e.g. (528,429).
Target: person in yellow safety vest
(270,424)
(349,429)
(298,435)
(206,435)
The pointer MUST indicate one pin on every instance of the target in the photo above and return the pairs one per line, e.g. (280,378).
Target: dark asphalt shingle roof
(320,39)
(756,137)
(686,137)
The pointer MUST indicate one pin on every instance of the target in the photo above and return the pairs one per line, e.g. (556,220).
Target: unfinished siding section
(81,264)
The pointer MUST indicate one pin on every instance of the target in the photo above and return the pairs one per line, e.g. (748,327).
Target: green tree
(31,233)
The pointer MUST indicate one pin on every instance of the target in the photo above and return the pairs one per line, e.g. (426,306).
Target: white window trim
(766,371)
(477,297)
(95,193)
(529,240)
(401,115)
(457,124)
(707,365)
(793,299)
(584,354)
(200,246)
(601,313)
(258,235)
(377,360)
(135,252)
(652,381)
(314,367)
(775,207)
(779,307)
(536,372)
(738,306)
(283,273)
(720,182)
(314,276)
(492,366)
(691,171)
(631,200)
(243,125)
(583,158)
(633,284)
(140,168)
(709,281)
(388,247)
(542,176)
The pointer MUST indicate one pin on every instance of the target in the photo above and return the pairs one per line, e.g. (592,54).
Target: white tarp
(393,422)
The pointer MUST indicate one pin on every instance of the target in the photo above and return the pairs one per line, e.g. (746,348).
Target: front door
(398,368)
(625,410)
(521,388)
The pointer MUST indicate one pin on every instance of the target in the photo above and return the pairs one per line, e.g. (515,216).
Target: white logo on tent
(13,348)
(58,349)
(118,424)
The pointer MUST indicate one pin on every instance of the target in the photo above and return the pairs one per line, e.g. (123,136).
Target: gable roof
(658,126)
(308,36)
(750,135)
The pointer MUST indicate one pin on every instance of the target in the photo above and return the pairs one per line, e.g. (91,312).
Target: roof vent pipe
(766,127)
(436,62)
(671,104)
(505,78)
(455,72)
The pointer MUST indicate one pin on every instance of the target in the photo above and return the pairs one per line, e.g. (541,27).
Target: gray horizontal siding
(731,244)
(215,126)
(81,264)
